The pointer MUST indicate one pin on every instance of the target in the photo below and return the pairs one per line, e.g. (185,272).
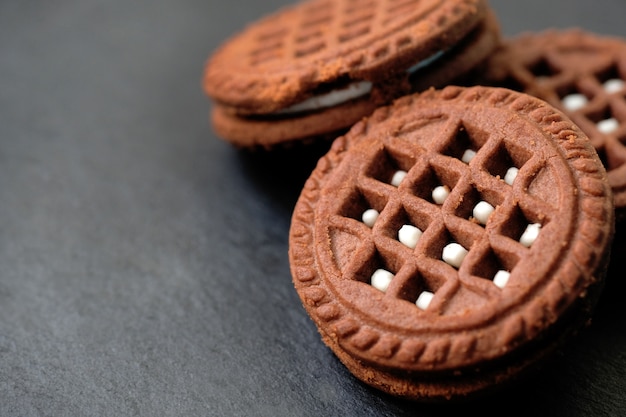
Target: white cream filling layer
(334,98)
(350,92)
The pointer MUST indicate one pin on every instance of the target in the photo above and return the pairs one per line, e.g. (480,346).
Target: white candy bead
(409,235)
(397,178)
(501,278)
(369,217)
(510,175)
(530,234)
(468,155)
(573,102)
(453,254)
(608,125)
(482,211)
(424,299)
(440,194)
(381,279)
(614,85)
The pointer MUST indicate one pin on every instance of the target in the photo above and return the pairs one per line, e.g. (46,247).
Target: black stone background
(143,262)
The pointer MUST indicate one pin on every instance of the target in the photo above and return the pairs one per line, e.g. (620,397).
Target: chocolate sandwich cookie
(583,75)
(451,240)
(317,67)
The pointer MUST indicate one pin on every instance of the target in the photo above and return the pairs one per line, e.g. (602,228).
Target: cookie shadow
(611,307)
(280,173)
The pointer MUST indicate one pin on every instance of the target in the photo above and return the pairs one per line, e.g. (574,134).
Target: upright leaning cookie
(582,74)
(451,240)
(319,66)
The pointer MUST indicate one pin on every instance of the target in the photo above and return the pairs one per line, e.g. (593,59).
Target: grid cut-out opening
(567,90)
(400,7)
(272,34)
(518,223)
(490,264)
(597,116)
(610,73)
(356,18)
(309,48)
(601,150)
(353,33)
(475,206)
(542,68)
(573,98)
(616,159)
(604,120)
(355,6)
(512,83)
(387,163)
(506,156)
(466,139)
(359,201)
(434,183)
(402,218)
(308,35)
(316,17)
(418,285)
(388,262)
(267,50)
(449,247)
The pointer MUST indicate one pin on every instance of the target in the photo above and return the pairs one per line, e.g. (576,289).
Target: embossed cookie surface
(261,78)
(447,242)
(582,74)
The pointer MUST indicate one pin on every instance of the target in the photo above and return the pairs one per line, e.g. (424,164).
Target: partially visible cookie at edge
(449,242)
(315,68)
(582,74)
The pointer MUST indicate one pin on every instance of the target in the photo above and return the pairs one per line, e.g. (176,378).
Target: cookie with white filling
(313,69)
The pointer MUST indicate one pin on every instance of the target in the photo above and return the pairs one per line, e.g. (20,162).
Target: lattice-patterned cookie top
(583,75)
(450,228)
(313,45)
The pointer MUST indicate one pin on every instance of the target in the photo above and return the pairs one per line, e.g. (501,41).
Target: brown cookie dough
(319,66)
(448,242)
(581,74)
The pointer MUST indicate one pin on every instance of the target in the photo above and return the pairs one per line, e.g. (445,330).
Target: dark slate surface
(143,262)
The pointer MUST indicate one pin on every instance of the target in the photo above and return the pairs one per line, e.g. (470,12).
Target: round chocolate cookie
(451,240)
(580,73)
(319,66)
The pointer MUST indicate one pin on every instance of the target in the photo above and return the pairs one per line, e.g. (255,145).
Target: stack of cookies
(459,228)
